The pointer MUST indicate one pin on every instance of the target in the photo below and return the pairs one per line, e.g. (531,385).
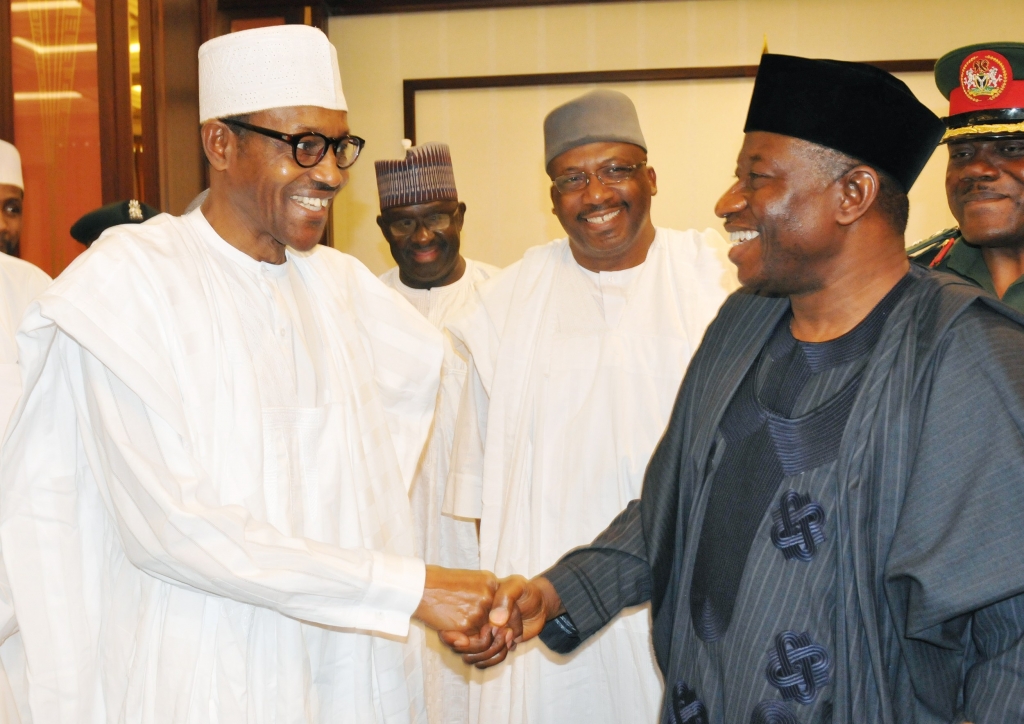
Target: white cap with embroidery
(264,68)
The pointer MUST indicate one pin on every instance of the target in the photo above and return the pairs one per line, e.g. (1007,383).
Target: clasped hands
(483,617)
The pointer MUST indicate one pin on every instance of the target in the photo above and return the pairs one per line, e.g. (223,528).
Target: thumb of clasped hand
(518,612)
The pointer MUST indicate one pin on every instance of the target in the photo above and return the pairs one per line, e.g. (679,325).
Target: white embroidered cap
(273,67)
(10,166)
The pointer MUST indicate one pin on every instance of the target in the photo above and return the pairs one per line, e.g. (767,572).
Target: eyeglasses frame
(452,217)
(293,140)
(597,174)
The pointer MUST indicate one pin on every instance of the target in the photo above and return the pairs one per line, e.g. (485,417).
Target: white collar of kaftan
(221,246)
(437,292)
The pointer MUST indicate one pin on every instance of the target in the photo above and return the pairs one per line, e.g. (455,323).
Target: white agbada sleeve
(475,335)
(171,534)
(463,491)
(168,530)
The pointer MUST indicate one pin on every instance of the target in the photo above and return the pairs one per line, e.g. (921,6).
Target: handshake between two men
(483,617)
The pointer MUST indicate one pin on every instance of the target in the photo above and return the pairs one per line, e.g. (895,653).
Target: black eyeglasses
(309,149)
(436,221)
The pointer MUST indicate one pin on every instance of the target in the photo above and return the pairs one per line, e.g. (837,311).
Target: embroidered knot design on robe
(798,667)
(799,526)
(686,707)
(773,711)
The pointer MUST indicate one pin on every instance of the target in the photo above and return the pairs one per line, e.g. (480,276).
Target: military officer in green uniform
(985,175)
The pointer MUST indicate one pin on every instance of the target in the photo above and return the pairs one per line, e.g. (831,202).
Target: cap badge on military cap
(984,76)
(985,97)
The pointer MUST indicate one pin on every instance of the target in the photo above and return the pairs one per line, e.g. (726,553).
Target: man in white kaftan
(577,352)
(20,283)
(204,505)
(421,219)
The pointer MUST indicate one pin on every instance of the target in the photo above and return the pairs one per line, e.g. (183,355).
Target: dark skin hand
(985,191)
(11,198)
(426,258)
(609,226)
(820,241)
(521,608)
(459,603)
(257,189)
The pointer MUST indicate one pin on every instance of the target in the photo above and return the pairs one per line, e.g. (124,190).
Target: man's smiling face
(281,198)
(985,190)
(780,216)
(424,240)
(604,221)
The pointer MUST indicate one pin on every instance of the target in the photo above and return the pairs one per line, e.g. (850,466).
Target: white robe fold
(444,540)
(193,531)
(20,283)
(573,375)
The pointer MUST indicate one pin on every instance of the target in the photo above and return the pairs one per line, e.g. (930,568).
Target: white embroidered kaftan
(204,506)
(20,283)
(445,541)
(572,381)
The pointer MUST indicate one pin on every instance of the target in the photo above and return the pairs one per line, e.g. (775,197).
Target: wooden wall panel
(114,79)
(6,77)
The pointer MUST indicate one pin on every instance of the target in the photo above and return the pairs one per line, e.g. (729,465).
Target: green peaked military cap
(88,228)
(984,84)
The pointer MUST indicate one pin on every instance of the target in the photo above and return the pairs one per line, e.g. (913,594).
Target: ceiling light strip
(51,49)
(46,95)
(24,6)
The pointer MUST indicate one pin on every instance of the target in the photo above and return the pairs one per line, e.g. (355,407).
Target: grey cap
(599,116)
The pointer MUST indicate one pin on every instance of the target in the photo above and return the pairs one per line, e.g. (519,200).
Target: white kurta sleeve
(153,489)
(463,495)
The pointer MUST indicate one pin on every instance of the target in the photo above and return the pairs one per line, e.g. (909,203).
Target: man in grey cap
(575,354)
(421,218)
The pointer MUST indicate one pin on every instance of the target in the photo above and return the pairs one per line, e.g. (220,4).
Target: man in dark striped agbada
(830,529)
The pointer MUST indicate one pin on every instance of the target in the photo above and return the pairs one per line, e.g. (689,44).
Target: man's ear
(859,189)
(460,216)
(219,144)
(380,223)
(653,176)
(554,204)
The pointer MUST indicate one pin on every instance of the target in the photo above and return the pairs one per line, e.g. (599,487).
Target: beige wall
(693,128)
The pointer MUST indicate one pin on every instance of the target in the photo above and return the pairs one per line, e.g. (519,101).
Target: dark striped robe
(928,517)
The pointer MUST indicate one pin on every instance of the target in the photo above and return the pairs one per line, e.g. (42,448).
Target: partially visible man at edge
(20,283)
(985,172)
(12,197)
(576,353)
(204,507)
(831,528)
(421,218)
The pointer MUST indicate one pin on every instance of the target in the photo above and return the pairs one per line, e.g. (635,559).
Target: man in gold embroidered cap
(985,173)
(205,510)
(830,528)
(421,218)
(575,353)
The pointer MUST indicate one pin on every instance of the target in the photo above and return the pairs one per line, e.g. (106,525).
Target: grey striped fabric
(916,594)
(424,175)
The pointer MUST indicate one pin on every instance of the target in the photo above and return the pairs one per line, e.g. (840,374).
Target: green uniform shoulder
(931,251)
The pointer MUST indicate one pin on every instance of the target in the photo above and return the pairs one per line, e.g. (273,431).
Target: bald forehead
(7,191)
